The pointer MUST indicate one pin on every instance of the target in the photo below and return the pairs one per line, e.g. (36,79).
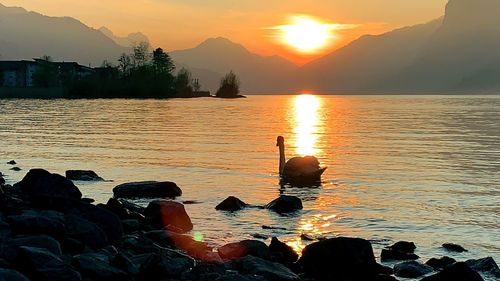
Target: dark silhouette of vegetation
(47,74)
(229,86)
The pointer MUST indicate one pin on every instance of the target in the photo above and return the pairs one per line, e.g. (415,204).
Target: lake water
(418,168)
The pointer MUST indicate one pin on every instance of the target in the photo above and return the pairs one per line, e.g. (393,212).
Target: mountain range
(457,53)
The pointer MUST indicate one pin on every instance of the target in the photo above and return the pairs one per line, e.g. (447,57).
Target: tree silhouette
(162,62)
(229,86)
(46,74)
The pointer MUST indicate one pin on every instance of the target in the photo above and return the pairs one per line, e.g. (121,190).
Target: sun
(306,34)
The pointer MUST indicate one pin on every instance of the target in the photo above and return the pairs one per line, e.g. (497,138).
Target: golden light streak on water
(306,124)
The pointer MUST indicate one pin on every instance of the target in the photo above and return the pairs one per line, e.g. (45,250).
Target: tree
(141,55)
(47,73)
(183,83)
(196,85)
(162,62)
(125,64)
(229,86)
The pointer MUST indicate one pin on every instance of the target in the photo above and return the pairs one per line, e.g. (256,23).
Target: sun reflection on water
(306,122)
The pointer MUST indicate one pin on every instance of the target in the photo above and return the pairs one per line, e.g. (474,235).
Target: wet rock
(117,208)
(97,267)
(12,162)
(458,271)
(9,247)
(389,254)
(72,246)
(38,222)
(15,169)
(39,182)
(2,181)
(340,258)
(162,213)
(166,264)
(306,237)
(83,175)
(132,207)
(273,227)
(130,226)
(85,231)
(231,204)
(41,264)
(486,265)
(454,248)
(106,220)
(147,189)
(403,247)
(269,270)
(234,276)
(281,252)
(243,248)
(285,204)
(260,236)
(411,269)
(440,263)
(11,275)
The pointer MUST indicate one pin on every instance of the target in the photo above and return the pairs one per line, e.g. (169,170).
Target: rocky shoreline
(49,232)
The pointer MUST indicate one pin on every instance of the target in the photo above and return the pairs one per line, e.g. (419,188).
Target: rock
(389,254)
(273,227)
(9,247)
(12,162)
(72,246)
(2,182)
(40,182)
(458,271)
(38,222)
(411,269)
(454,247)
(130,226)
(132,207)
(82,175)
(87,232)
(147,189)
(106,220)
(269,270)
(43,265)
(98,268)
(260,236)
(166,264)
(403,247)
(185,243)
(306,237)
(285,204)
(440,263)
(243,248)
(11,275)
(231,204)
(339,258)
(234,276)
(122,262)
(15,169)
(486,265)
(117,208)
(281,252)
(162,213)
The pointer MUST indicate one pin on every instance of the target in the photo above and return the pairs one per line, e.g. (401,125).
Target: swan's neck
(282,159)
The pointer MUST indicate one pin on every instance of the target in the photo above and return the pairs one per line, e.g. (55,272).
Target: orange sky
(180,24)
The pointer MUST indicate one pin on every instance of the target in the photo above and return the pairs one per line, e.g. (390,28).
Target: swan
(298,170)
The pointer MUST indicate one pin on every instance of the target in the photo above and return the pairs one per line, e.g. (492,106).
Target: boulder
(389,254)
(458,271)
(40,182)
(38,222)
(454,247)
(269,270)
(147,189)
(403,247)
(243,248)
(340,258)
(40,264)
(9,247)
(15,169)
(285,204)
(117,208)
(486,265)
(162,213)
(122,262)
(281,252)
(2,181)
(82,175)
(234,276)
(185,243)
(231,204)
(87,232)
(132,207)
(97,267)
(11,275)
(411,269)
(130,226)
(440,263)
(12,162)
(167,263)
(106,220)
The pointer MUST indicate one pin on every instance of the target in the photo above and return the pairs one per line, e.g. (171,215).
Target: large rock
(458,271)
(390,254)
(486,265)
(41,182)
(87,232)
(454,247)
(340,259)
(163,213)
(83,175)
(9,248)
(38,222)
(411,269)
(41,264)
(269,270)
(231,204)
(243,248)
(117,208)
(11,275)
(166,264)
(147,189)
(281,252)
(403,247)
(440,263)
(285,204)
(97,267)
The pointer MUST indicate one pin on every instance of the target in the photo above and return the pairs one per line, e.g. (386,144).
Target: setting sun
(306,34)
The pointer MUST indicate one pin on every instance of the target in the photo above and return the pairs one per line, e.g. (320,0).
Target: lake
(418,168)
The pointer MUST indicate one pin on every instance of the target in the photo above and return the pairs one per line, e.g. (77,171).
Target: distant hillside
(258,74)
(130,40)
(26,35)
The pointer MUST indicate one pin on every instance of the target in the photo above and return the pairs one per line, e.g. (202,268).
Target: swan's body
(301,170)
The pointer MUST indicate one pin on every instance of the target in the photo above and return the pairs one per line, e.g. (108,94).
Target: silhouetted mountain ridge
(127,41)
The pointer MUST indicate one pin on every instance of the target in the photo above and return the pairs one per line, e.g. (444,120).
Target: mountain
(27,35)
(128,41)
(455,54)
(258,74)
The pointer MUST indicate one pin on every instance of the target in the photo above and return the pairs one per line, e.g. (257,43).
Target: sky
(181,24)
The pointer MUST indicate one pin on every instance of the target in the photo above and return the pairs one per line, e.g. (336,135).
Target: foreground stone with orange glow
(48,232)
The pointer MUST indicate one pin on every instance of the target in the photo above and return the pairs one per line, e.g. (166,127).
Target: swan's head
(280,141)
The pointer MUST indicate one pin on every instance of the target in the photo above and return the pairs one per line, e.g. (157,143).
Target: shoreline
(49,207)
